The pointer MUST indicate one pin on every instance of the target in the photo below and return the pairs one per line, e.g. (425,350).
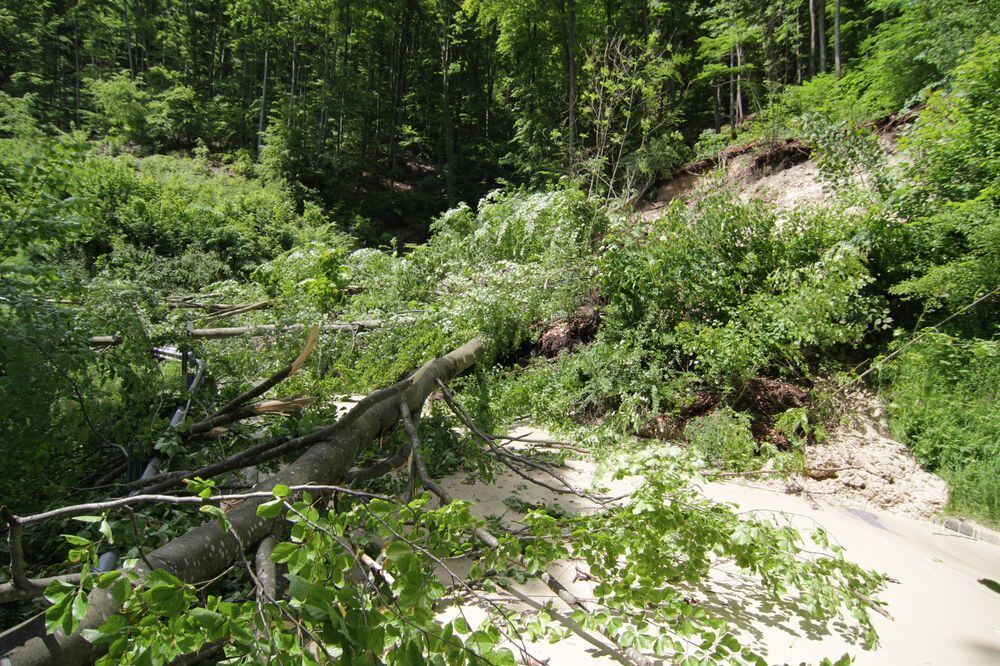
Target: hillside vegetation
(362,188)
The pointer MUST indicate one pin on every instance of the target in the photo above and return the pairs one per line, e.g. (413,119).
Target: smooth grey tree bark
(206,551)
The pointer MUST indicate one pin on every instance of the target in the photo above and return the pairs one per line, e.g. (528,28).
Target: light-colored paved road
(946,603)
(945,600)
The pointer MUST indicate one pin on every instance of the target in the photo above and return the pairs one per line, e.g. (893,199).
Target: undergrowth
(941,396)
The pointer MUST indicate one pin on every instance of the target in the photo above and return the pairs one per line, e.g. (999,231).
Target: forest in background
(413,175)
(386,113)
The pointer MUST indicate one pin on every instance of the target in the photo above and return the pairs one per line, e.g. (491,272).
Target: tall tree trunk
(812,38)
(213,45)
(821,30)
(76,69)
(263,101)
(491,67)
(345,80)
(739,84)
(292,80)
(836,37)
(324,114)
(717,106)
(798,45)
(399,85)
(132,67)
(732,93)
(571,77)
(446,119)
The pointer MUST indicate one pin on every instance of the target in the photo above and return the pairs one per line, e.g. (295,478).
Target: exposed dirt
(797,186)
(781,174)
(566,334)
(858,464)
(861,465)
(667,426)
(763,397)
(766,398)
(769,160)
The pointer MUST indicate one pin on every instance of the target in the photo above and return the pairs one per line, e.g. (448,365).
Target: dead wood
(205,551)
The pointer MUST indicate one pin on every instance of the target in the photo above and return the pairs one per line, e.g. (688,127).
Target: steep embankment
(783,173)
(859,464)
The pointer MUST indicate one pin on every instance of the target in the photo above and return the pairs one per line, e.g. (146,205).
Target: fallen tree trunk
(273,380)
(207,550)
(265,329)
(102,341)
(238,309)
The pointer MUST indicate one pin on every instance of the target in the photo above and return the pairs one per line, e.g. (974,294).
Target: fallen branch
(509,459)
(267,569)
(89,508)
(267,329)
(104,340)
(238,309)
(205,551)
(259,409)
(273,448)
(276,378)
(817,473)
(101,341)
(549,443)
(380,468)
(489,539)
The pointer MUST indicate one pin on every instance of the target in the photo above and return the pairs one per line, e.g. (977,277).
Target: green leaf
(284,551)
(206,619)
(165,600)
(76,540)
(88,519)
(218,514)
(120,590)
(59,615)
(79,609)
(107,632)
(281,490)
(270,509)
(57,589)
(396,551)
(105,529)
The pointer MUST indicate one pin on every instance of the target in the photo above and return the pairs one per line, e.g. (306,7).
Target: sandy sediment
(945,610)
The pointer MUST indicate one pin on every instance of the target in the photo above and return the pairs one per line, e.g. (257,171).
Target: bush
(173,209)
(917,49)
(716,294)
(941,396)
(493,274)
(954,192)
(723,438)
(153,110)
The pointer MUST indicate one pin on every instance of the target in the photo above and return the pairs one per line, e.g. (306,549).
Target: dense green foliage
(392,111)
(942,394)
(158,159)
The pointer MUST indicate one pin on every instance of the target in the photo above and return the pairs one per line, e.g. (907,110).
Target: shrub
(953,193)
(153,110)
(941,394)
(716,294)
(723,438)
